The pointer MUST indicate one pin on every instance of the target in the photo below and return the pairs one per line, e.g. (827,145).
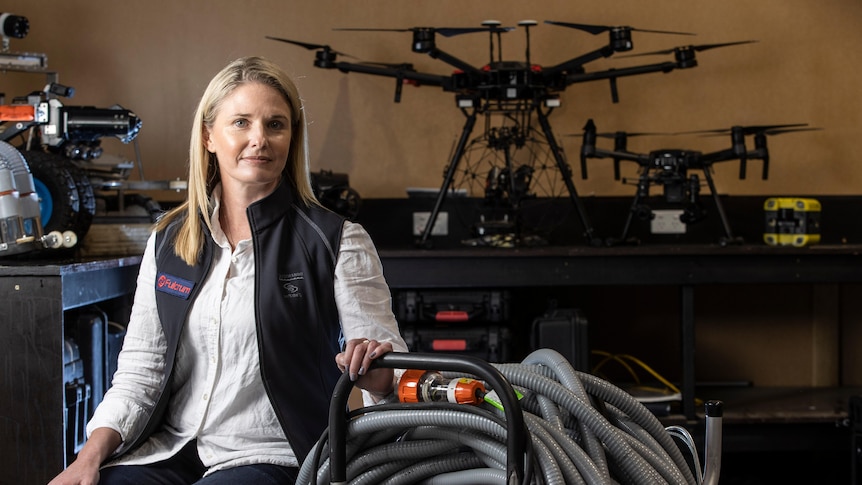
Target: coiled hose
(579,430)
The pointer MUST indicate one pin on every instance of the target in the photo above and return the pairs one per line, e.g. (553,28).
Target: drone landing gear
(424,240)
(693,212)
(728,238)
(566,173)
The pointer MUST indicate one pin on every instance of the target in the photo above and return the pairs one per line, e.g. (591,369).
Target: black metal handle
(516,436)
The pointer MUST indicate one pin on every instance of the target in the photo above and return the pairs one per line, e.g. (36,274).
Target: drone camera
(675,193)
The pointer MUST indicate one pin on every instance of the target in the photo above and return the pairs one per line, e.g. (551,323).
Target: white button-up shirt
(218,396)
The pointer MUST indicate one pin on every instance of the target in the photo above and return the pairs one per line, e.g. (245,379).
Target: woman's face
(251,137)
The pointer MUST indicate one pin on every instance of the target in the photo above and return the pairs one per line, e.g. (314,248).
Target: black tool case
(473,323)
(563,330)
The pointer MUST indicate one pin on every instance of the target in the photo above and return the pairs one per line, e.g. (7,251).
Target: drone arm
(576,64)
(402,74)
(707,159)
(617,156)
(617,73)
(621,155)
(720,156)
(452,61)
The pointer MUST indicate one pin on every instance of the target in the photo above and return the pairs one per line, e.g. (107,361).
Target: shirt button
(206,396)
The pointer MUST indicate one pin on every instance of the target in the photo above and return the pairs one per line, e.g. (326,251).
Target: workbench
(37,296)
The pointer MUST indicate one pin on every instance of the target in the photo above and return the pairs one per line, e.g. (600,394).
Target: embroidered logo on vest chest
(291,284)
(174,285)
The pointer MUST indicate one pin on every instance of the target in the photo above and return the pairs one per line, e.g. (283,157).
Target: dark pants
(186,468)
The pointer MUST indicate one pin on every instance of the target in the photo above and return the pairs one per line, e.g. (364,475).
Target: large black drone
(669,169)
(515,89)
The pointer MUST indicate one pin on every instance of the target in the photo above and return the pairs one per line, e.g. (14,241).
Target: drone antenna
(526,24)
(492,26)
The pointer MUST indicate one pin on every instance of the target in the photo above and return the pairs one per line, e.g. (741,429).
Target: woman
(245,295)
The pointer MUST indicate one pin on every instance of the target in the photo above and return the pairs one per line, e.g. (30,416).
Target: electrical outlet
(441,225)
(667,222)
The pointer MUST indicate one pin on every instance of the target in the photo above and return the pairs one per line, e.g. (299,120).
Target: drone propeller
(753,129)
(598,29)
(309,46)
(629,134)
(760,132)
(789,130)
(692,48)
(444,31)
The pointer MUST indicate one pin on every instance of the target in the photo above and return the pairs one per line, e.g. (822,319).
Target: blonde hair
(203,165)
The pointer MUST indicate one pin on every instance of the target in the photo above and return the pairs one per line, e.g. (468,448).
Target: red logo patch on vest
(174,285)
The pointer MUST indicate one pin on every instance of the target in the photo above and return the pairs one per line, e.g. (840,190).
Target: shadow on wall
(337,151)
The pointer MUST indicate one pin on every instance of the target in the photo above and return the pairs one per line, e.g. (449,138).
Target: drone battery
(791,221)
(453,306)
(490,343)
(563,330)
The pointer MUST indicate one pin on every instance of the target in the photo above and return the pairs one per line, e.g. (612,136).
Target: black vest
(298,328)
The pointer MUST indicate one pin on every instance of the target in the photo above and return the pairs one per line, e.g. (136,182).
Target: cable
(580,429)
(624,359)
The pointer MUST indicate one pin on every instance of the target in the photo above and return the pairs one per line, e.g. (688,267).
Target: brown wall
(155,57)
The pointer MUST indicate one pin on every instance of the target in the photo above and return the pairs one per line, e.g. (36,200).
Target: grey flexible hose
(389,452)
(566,466)
(565,374)
(581,429)
(631,462)
(620,399)
(432,468)
(654,453)
(548,465)
(639,414)
(492,452)
(376,475)
(479,476)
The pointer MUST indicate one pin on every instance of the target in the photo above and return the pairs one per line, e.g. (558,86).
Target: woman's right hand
(78,473)
(85,469)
